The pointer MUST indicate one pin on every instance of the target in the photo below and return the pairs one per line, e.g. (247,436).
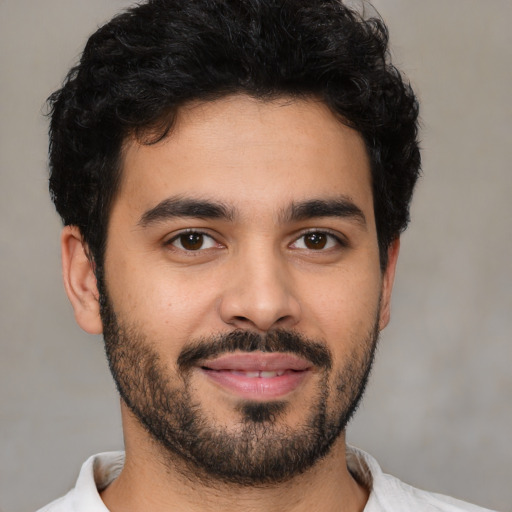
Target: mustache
(246,341)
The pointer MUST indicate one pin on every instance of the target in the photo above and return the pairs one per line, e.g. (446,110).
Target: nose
(259,294)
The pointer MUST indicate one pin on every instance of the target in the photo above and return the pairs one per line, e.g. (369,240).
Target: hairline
(163,127)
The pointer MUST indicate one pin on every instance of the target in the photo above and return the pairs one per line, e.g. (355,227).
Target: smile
(261,374)
(257,375)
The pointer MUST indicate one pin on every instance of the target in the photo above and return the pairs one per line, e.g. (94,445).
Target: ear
(387,283)
(80,281)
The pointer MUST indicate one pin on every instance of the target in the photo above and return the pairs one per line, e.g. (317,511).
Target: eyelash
(339,240)
(171,241)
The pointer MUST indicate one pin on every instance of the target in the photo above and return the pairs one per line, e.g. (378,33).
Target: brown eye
(193,241)
(315,241)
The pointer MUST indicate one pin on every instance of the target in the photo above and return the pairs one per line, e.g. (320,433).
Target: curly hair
(138,69)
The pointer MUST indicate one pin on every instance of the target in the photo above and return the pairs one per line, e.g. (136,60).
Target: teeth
(268,375)
(261,374)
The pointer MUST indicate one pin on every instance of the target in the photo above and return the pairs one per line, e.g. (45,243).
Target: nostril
(259,310)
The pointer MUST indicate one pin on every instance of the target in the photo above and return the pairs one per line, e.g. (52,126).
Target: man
(234,176)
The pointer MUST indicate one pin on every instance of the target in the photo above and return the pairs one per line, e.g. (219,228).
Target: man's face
(244,287)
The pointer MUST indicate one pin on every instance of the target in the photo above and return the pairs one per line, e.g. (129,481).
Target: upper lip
(257,361)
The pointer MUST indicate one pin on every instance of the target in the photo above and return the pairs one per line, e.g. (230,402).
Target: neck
(148,482)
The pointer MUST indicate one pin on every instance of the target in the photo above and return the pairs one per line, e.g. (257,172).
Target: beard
(260,449)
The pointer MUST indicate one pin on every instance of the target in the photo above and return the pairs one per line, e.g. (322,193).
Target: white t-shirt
(388,494)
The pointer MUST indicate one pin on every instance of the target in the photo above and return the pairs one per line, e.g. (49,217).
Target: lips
(260,373)
(259,376)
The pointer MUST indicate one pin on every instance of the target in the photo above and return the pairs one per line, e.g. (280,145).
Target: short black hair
(139,68)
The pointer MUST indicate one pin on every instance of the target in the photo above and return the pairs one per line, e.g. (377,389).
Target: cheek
(346,306)
(167,304)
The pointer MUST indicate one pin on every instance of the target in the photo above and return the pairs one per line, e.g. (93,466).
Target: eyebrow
(173,207)
(341,207)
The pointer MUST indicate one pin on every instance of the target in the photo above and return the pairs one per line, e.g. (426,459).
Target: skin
(255,272)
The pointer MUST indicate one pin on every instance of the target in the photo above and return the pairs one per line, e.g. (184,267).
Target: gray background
(438,413)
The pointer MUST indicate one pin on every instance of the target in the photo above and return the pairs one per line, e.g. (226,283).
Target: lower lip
(257,387)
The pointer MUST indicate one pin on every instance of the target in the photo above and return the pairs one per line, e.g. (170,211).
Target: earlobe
(80,281)
(387,283)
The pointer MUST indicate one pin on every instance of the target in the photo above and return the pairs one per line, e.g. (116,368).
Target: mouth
(257,375)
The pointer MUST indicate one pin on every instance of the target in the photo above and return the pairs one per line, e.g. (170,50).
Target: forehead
(250,154)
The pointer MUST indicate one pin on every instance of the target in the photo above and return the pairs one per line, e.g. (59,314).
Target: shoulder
(59,505)
(389,494)
(96,474)
(393,494)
